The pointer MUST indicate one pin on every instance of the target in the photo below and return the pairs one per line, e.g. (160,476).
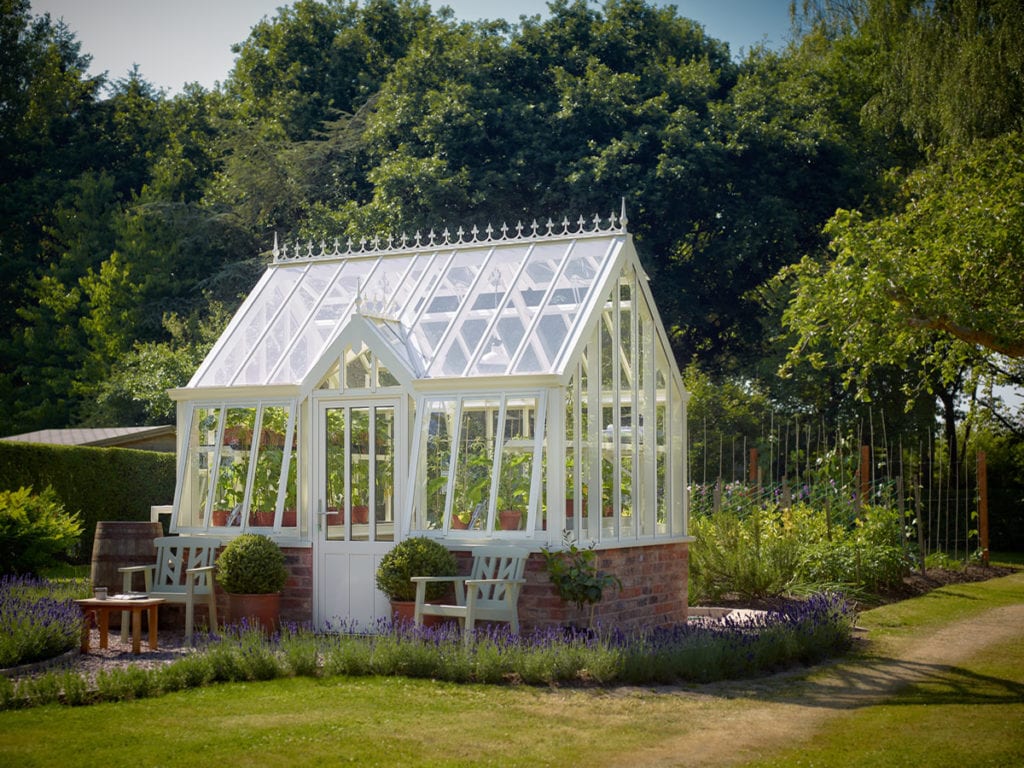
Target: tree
(135,391)
(949,71)
(937,281)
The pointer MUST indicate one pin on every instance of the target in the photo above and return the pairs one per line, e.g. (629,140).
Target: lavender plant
(38,619)
(693,652)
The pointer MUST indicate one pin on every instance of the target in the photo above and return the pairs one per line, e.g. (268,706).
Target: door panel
(356,441)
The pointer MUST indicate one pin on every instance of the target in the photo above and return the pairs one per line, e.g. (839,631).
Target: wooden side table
(103,608)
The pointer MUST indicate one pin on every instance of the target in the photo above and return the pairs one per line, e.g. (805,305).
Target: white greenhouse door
(358,443)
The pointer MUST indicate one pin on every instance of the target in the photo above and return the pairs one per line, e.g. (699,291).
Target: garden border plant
(696,653)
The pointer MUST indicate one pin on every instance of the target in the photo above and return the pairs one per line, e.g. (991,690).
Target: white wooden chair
(489,593)
(183,573)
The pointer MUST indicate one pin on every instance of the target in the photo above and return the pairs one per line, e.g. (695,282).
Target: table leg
(104,616)
(87,619)
(152,627)
(137,631)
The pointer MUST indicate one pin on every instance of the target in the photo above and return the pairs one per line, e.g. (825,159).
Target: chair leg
(126,587)
(470,623)
(212,603)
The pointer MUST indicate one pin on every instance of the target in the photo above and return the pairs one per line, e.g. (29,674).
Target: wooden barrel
(117,544)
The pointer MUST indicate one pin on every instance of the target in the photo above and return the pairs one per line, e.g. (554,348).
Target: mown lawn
(970,714)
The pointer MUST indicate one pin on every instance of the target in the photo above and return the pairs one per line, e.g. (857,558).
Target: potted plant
(417,556)
(265,486)
(230,491)
(575,575)
(251,571)
(513,490)
(359,481)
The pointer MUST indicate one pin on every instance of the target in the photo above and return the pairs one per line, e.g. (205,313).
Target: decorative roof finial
(461,237)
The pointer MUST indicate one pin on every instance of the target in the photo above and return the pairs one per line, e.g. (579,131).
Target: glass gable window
(619,417)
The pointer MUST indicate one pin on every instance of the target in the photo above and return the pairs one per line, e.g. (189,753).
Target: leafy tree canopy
(936,280)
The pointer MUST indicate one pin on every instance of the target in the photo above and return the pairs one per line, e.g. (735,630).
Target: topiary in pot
(251,570)
(418,556)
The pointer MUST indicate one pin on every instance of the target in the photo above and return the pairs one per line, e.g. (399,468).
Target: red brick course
(654,589)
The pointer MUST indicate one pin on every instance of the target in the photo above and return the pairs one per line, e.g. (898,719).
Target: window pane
(269,463)
(437,453)
(358,498)
(334,458)
(516,463)
(384,474)
(473,464)
(202,454)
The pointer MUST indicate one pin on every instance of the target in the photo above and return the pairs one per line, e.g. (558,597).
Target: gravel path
(171,646)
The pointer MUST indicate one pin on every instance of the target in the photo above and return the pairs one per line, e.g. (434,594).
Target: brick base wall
(654,590)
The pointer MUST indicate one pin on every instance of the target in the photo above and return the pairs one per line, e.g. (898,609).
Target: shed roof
(506,302)
(159,438)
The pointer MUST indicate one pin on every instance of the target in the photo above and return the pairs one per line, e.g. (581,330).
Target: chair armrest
(449,579)
(192,574)
(136,568)
(128,571)
(474,582)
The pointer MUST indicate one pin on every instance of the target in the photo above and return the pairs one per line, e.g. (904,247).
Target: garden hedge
(100,483)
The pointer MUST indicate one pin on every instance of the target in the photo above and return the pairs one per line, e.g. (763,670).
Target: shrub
(866,556)
(753,556)
(33,530)
(418,556)
(252,564)
(575,575)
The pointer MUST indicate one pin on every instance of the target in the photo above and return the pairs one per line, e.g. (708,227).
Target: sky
(183,41)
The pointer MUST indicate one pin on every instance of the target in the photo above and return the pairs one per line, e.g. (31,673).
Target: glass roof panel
(258,314)
(334,306)
(511,303)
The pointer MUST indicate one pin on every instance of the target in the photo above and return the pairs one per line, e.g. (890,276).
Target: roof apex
(376,246)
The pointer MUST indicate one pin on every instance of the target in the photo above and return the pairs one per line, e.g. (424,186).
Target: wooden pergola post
(983,507)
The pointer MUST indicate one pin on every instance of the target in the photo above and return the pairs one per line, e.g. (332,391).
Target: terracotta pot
(261,518)
(335,516)
(220,516)
(289,519)
(403,611)
(457,523)
(510,519)
(263,611)
(360,513)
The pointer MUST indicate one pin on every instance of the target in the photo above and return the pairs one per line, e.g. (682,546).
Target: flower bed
(38,619)
(815,629)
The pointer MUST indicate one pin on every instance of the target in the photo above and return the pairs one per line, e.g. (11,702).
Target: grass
(1013,559)
(970,714)
(967,714)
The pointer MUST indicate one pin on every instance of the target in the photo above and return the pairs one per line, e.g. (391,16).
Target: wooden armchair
(182,574)
(489,593)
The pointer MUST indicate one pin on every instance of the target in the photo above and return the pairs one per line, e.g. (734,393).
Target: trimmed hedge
(99,483)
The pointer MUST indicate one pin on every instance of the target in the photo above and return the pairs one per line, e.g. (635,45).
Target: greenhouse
(511,385)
